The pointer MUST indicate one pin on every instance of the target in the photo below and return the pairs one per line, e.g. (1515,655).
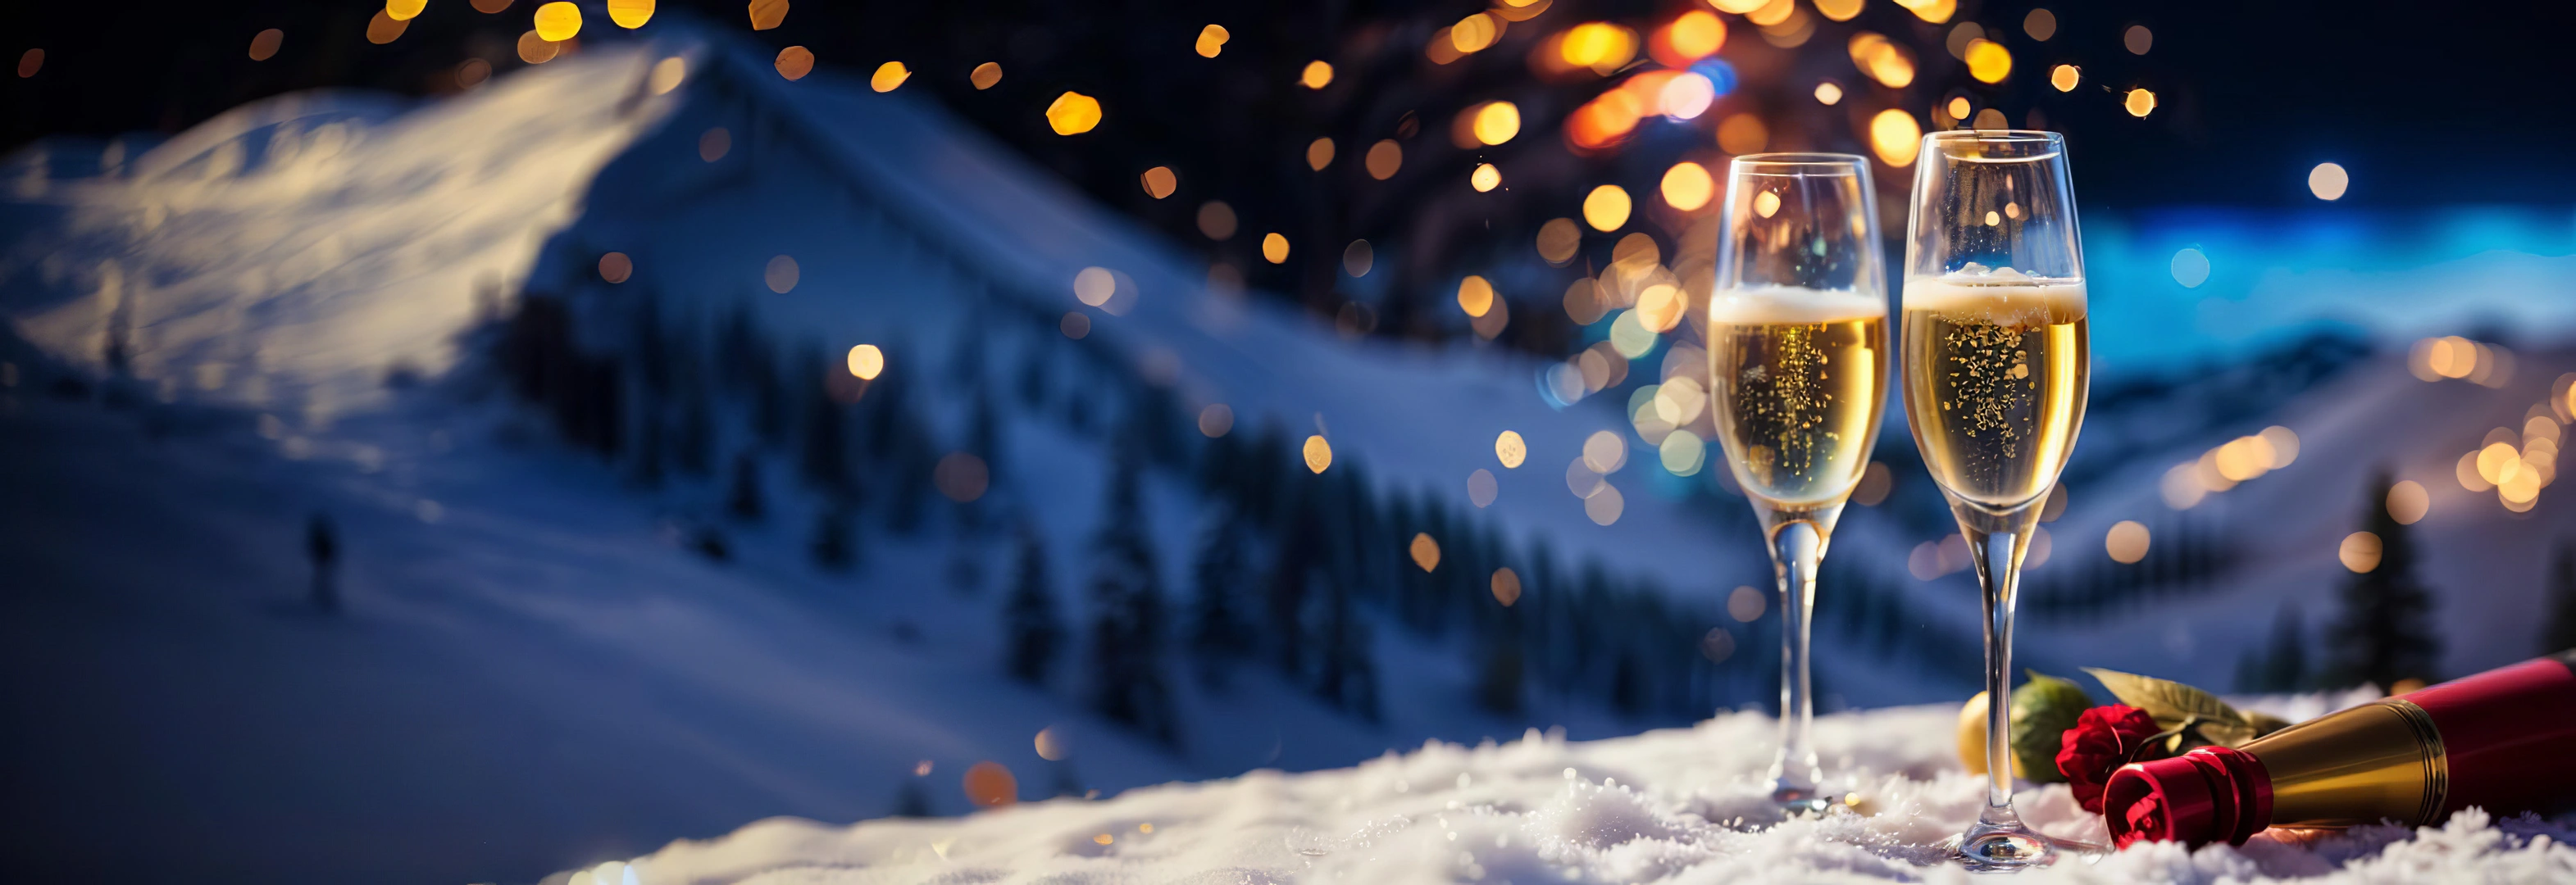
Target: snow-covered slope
(289,253)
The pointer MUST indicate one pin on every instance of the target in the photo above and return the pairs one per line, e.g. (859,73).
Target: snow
(1674,806)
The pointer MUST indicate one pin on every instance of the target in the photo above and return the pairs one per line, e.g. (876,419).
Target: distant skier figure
(323,544)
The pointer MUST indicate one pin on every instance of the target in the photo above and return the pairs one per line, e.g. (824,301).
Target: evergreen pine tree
(2285,665)
(694,440)
(2559,634)
(2386,632)
(1220,631)
(1128,682)
(1033,634)
(833,546)
(825,458)
(912,799)
(743,499)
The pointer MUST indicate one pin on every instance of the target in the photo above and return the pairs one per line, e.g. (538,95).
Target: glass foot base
(1991,849)
(1800,801)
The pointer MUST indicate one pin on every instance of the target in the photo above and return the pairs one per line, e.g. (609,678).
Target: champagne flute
(1797,347)
(1995,373)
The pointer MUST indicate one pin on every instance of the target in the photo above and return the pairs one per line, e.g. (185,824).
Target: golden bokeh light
(533,49)
(1895,137)
(1606,209)
(1558,239)
(1274,248)
(985,75)
(1073,113)
(1991,118)
(1884,61)
(1604,452)
(1691,36)
(2328,181)
(490,7)
(2284,445)
(767,14)
(630,14)
(1475,296)
(1317,75)
(1319,454)
(2040,24)
(892,74)
(1384,158)
(1216,420)
(1688,186)
(1496,122)
(1875,482)
(1682,453)
(2408,502)
(2359,552)
(1160,182)
(2466,471)
(1601,46)
(1603,507)
(867,362)
(2139,102)
(1506,585)
(794,62)
(1319,154)
(1958,108)
(1216,220)
(1425,551)
(1094,286)
(1988,61)
(265,43)
(1050,746)
(558,21)
(781,274)
(1211,41)
(1829,92)
(1474,33)
(2126,542)
(714,144)
(1357,258)
(1771,12)
(1485,178)
(988,784)
(404,10)
(1743,134)
(472,72)
(383,29)
(615,267)
(961,477)
(1660,307)
(1481,488)
(1838,10)
(2137,39)
(667,75)
(1934,11)
(2064,77)
(1510,450)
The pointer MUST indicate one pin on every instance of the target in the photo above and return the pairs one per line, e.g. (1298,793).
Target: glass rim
(1995,136)
(1796,163)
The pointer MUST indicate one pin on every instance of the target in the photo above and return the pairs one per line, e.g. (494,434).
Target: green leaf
(2043,709)
(2265,723)
(2174,704)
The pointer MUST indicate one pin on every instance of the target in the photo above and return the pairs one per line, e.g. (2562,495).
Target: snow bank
(1679,806)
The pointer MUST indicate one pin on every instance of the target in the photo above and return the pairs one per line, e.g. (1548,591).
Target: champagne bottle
(2503,740)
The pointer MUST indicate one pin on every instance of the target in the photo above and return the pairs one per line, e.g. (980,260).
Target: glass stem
(1796,549)
(1998,571)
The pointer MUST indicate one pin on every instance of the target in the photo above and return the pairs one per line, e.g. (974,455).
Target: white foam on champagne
(1758,305)
(2062,301)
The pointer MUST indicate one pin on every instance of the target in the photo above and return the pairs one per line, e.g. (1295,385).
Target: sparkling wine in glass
(1995,373)
(1797,345)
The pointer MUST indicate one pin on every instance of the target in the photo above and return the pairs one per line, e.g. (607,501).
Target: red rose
(2101,740)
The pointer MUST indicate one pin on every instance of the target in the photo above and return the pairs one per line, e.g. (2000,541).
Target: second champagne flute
(1797,346)
(1996,359)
